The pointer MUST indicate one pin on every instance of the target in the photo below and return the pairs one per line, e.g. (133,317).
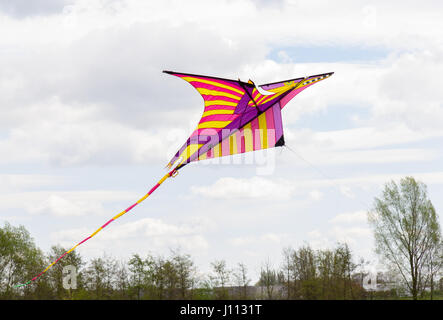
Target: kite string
(172,173)
(332,180)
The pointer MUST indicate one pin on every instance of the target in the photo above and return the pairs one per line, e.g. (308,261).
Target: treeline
(314,274)
(304,273)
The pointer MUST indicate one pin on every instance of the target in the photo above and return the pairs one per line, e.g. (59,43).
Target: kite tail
(172,173)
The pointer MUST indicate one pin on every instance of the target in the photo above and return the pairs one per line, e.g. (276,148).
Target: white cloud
(25,8)
(76,65)
(58,206)
(63,203)
(350,235)
(18,182)
(253,188)
(376,179)
(155,232)
(81,85)
(267,238)
(319,240)
(68,136)
(346,191)
(350,217)
(315,195)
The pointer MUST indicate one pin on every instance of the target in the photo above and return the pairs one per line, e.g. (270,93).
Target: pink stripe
(216,97)
(210,79)
(219,107)
(209,154)
(129,208)
(270,127)
(84,240)
(238,140)
(254,95)
(206,132)
(270,118)
(107,223)
(199,85)
(64,254)
(255,134)
(219,117)
(153,189)
(225,147)
(291,95)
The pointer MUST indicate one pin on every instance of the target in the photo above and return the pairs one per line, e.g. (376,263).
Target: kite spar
(237,118)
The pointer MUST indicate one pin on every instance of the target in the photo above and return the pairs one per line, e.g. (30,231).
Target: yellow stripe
(123,212)
(203,156)
(286,87)
(234,149)
(163,179)
(258,96)
(97,231)
(259,101)
(213,124)
(218,93)
(188,152)
(263,130)
(220,103)
(248,137)
(219,111)
(146,195)
(217,84)
(215,152)
(273,96)
(72,249)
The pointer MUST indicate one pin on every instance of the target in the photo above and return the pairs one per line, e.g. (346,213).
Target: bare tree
(242,280)
(406,231)
(221,278)
(286,269)
(434,266)
(268,279)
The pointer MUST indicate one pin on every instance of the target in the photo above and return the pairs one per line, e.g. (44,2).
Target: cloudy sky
(88,122)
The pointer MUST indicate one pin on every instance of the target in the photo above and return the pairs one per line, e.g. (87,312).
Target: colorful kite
(238,117)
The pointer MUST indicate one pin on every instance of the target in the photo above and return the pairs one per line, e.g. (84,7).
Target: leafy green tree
(304,261)
(100,277)
(320,274)
(137,277)
(122,281)
(185,273)
(20,260)
(55,274)
(407,232)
